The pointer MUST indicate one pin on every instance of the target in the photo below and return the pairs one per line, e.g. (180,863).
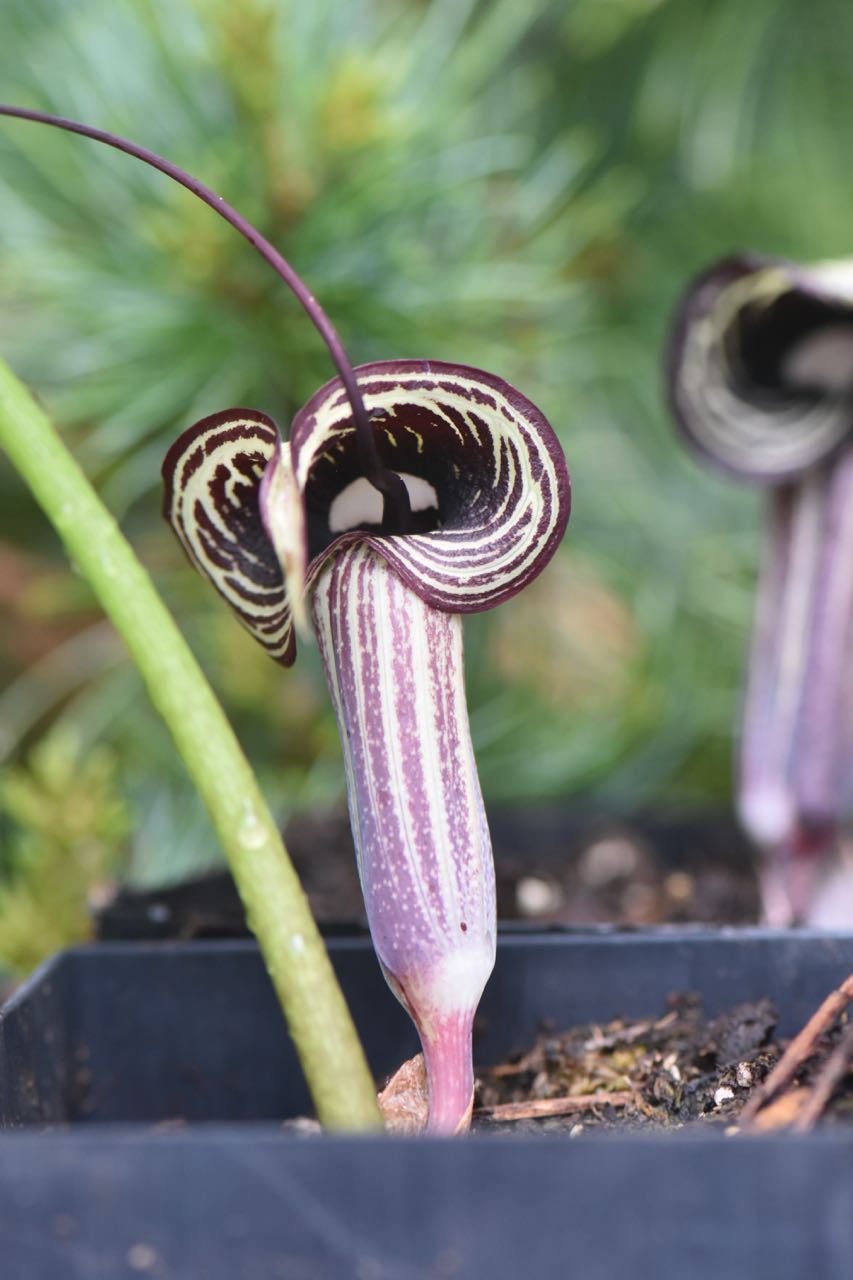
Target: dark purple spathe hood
(253,512)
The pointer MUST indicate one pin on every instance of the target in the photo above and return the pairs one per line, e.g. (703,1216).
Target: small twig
(628,1035)
(536,1108)
(801,1047)
(507,1069)
(832,1072)
(597,1042)
(781,1113)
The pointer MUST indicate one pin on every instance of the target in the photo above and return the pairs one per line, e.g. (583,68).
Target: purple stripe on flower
(213,475)
(494,464)
(759,368)
(394,668)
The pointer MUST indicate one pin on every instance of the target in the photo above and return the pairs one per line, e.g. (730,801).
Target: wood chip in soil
(678,1068)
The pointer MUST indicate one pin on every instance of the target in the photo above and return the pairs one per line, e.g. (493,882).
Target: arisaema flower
(286,529)
(407,494)
(761,381)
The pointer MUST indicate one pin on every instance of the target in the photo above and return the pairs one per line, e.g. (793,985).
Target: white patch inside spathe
(359,503)
(822,359)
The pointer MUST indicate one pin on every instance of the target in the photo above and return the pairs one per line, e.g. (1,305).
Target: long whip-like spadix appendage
(397,511)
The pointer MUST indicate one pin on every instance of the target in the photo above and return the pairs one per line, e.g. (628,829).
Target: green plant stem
(278,913)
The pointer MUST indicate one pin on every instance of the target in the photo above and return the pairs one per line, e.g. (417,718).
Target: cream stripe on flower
(779,440)
(213,474)
(494,542)
(488,455)
(766,433)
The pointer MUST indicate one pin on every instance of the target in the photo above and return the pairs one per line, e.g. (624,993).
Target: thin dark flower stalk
(397,517)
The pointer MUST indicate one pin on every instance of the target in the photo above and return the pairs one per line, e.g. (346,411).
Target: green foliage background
(524,187)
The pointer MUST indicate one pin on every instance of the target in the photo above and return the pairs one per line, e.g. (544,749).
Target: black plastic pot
(142,1088)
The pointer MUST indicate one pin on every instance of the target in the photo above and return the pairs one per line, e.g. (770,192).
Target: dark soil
(554,866)
(664,1072)
(562,866)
